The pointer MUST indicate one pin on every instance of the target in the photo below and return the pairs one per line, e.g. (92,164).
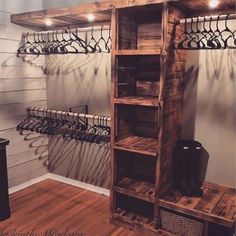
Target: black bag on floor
(187,159)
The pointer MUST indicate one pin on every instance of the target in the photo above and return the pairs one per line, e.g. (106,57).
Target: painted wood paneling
(20,143)
(22,85)
(27,156)
(22,96)
(18,6)
(5,17)
(32,171)
(9,45)
(13,67)
(10,32)
(10,110)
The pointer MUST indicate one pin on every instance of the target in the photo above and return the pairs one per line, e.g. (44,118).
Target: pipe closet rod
(66,113)
(207,18)
(97,28)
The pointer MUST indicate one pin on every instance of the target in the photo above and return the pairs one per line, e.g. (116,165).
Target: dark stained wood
(76,15)
(140,28)
(144,37)
(132,218)
(142,145)
(69,15)
(135,188)
(219,187)
(113,167)
(209,200)
(145,2)
(140,225)
(138,52)
(172,95)
(226,207)
(127,32)
(149,35)
(135,100)
(214,206)
(192,7)
(138,77)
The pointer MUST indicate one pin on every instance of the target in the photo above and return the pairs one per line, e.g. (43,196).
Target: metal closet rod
(208,18)
(65,114)
(97,28)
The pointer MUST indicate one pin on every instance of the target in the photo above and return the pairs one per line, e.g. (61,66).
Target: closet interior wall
(74,80)
(21,85)
(209,108)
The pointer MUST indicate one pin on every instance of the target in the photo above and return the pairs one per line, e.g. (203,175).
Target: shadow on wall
(190,102)
(15,60)
(38,142)
(86,162)
(190,107)
(209,106)
(66,64)
(220,61)
(217,100)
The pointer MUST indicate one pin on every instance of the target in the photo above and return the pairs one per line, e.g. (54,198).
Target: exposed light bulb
(213,3)
(90,17)
(48,22)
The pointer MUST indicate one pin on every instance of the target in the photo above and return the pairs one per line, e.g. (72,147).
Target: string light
(91,17)
(48,22)
(213,3)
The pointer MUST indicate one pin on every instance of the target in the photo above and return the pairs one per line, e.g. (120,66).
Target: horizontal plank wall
(21,85)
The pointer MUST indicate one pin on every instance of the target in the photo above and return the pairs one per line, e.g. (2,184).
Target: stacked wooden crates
(147,96)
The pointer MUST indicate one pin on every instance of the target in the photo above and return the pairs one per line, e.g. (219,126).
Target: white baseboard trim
(62,179)
(79,184)
(28,184)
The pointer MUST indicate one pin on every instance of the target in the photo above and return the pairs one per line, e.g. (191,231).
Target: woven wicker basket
(180,225)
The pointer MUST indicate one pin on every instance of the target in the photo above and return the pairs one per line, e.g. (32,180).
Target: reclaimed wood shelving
(136,188)
(138,77)
(138,100)
(216,205)
(131,219)
(142,145)
(137,52)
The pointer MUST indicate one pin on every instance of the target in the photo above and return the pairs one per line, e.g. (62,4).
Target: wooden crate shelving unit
(146,119)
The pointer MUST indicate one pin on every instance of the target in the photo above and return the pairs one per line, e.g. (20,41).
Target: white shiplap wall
(21,85)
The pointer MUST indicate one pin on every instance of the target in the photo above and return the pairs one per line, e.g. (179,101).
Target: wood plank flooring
(51,205)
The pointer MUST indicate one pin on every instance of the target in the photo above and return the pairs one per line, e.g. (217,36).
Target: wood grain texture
(51,204)
(142,145)
(68,15)
(144,32)
(216,205)
(135,100)
(137,52)
(140,189)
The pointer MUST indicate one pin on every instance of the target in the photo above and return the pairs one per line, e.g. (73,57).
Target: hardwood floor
(52,208)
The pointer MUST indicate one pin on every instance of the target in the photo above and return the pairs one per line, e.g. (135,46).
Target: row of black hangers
(210,37)
(66,41)
(70,127)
